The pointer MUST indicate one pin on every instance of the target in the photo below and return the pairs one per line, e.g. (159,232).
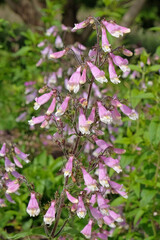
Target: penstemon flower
(33,208)
(49,217)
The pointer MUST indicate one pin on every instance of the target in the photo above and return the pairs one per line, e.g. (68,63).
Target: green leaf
(33,232)
(126,160)
(138,215)
(154,68)
(153,131)
(22,52)
(135,67)
(147,196)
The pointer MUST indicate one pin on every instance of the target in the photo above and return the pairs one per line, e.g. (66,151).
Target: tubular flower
(59,54)
(42,100)
(104,114)
(99,75)
(105,44)
(16,161)
(81,211)
(71,198)
(91,116)
(89,181)
(3,150)
(49,217)
(33,208)
(83,76)
(80,25)
(51,107)
(83,123)
(102,204)
(120,62)
(86,231)
(58,42)
(115,216)
(103,178)
(73,83)
(68,167)
(112,73)
(9,166)
(109,221)
(61,110)
(97,215)
(113,163)
(36,120)
(131,113)
(21,155)
(114,29)
(12,186)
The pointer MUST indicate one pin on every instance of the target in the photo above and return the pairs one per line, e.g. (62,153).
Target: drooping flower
(36,120)
(51,107)
(71,198)
(33,208)
(68,167)
(120,62)
(97,215)
(115,216)
(61,110)
(105,44)
(102,204)
(49,217)
(83,76)
(103,178)
(80,25)
(81,211)
(9,166)
(113,163)
(91,117)
(112,73)
(42,100)
(127,52)
(99,75)
(89,181)
(50,30)
(22,155)
(12,186)
(73,83)
(59,72)
(59,54)
(114,29)
(3,150)
(104,114)
(87,230)
(109,221)
(83,123)
(58,42)
(131,113)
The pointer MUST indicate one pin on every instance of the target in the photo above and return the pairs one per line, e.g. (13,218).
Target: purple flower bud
(127,52)
(83,76)
(51,107)
(49,217)
(80,25)
(33,208)
(86,231)
(57,54)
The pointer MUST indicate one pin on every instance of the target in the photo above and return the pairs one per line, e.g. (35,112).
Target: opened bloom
(114,29)
(99,75)
(42,100)
(61,110)
(81,211)
(49,217)
(112,73)
(89,181)
(104,114)
(83,123)
(73,83)
(105,44)
(33,208)
(68,167)
(87,230)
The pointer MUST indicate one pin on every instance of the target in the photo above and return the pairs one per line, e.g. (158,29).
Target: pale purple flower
(114,29)
(9,166)
(59,72)
(89,181)
(3,150)
(112,73)
(113,163)
(131,113)
(109,221)
(97,215)
(115,216)
(83,102)
(103,178)
(51,107)
(104,114)
(71,198)
(102,204)
(21,155)
(83,76)
(22,116)
(41,44)
(127,52)
(16,161)
(73,83)
(30,97)
(63,107)
(8,197)
(119,150)
(49,217)
(87,230)
(2,203)
(33,208)
(81,211)
(91,117)
(42,100)
(83,123)
(96,90)
(120,62)
(68,167)
(80,25)
(50,30)
(41,60)
(36,120)
(106,46)
(52,79)
(81,46)
(58,42)
(116,116)
(59,54)
(12,186)
(93,199)
(102,144)
(99,75)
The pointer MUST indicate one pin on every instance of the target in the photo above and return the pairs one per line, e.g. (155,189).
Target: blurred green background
(22,27)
